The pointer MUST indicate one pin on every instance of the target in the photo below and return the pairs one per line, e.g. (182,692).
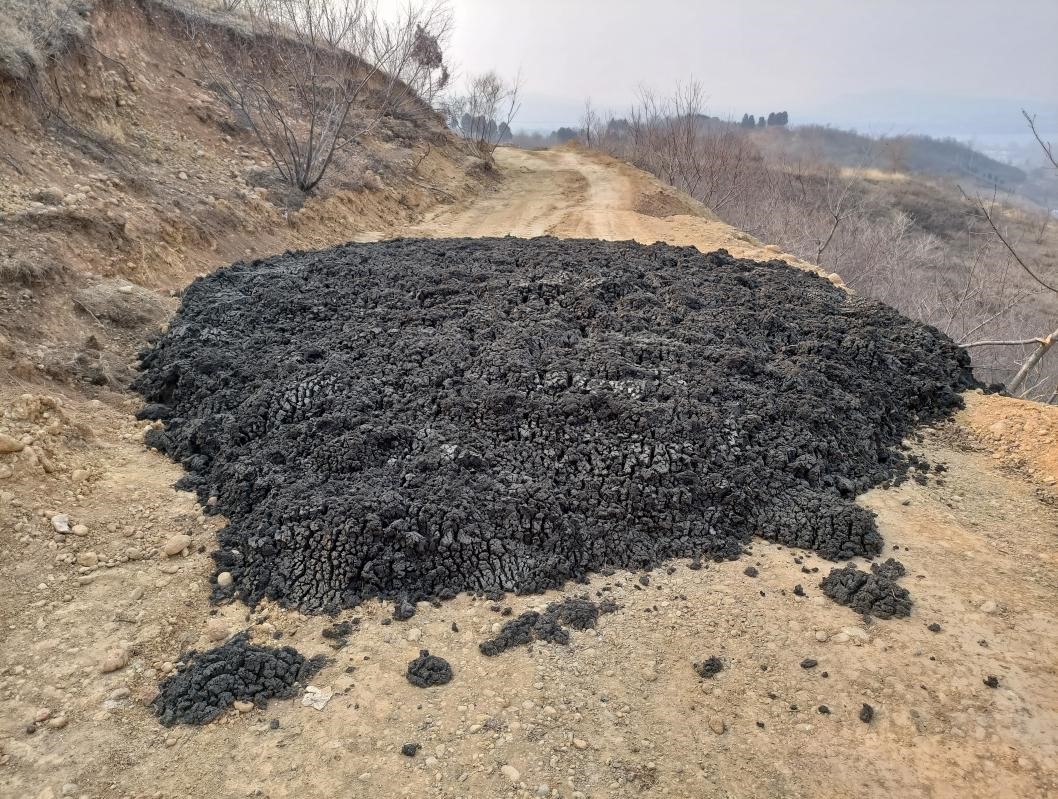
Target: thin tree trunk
(1034,359)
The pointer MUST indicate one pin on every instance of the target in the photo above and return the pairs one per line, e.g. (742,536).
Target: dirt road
(620,712)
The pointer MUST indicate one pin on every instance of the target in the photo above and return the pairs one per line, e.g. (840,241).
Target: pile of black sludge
(209,682)
(417,418)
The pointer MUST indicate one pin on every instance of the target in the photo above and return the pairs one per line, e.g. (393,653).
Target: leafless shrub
(483,113)
(316,75)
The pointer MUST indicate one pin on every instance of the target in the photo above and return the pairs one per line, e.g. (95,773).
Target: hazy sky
(908,63)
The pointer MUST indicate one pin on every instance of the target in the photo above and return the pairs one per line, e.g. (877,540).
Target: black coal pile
(429,670)
(211,681)
(873,593)
(416,418)
(576,612)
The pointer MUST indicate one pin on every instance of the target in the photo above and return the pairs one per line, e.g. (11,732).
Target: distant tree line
(774,119)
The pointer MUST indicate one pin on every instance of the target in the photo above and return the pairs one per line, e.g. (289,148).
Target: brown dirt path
(620,713)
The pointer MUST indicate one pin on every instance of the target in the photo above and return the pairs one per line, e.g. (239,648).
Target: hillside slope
(127,176)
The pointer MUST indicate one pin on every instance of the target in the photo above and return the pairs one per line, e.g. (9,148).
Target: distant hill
(943,158)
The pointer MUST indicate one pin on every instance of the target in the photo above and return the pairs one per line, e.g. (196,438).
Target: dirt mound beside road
(419,418)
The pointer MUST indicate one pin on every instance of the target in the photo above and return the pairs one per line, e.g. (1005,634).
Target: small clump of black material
(873,593)
(212,680)
(750,571)
(419,418)
(410,749)
(709,667)
(338,634)
(799,590)
(579,613)
(934,628)
(428,670)
(866,713)
(809,663)
(992,681)
(823,710)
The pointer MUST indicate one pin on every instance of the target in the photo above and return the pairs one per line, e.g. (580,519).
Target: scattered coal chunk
(410,749)
(419,418)
(799,590)
(823,710)
(934,628)
(338,634)
(750,571)
(403,610)
(153,411)
(866,713)
(210,681)
(428,670)
(992,681)
(580,613)
(873,593)
(892,569)
(709,667)
(809,663)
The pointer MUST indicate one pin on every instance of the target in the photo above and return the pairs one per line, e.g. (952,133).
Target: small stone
(273,724)
(988,606)
(57,723)
(580,743)
(217,630)
(410,749)
(176,544)
(79,475)
(60,522)
(114,660)
(87,559)
(242,705)
(224,579)
(119,693)
(992,681)
(414,634)
(821,636)
(717,725)
(866,713)
(79,529)
(9,444)
(42,715)
(543,790)
(934,628)
(510,772)
(824,710)
(750,571)
(809,663)
(182,175)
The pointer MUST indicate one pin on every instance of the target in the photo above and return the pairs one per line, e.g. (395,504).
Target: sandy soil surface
(621,711)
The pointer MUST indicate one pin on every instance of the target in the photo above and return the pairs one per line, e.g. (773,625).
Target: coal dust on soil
(416,418)
(211,681)
(576,612)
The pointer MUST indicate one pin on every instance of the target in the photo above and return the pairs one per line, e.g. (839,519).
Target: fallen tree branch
(1019,342)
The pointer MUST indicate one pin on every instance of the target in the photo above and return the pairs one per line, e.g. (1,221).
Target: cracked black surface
(417,418)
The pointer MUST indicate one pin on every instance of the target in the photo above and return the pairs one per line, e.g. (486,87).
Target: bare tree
(483,113)
(314,76)
(589,121)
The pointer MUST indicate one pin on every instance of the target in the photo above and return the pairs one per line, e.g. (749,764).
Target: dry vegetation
(917,243)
